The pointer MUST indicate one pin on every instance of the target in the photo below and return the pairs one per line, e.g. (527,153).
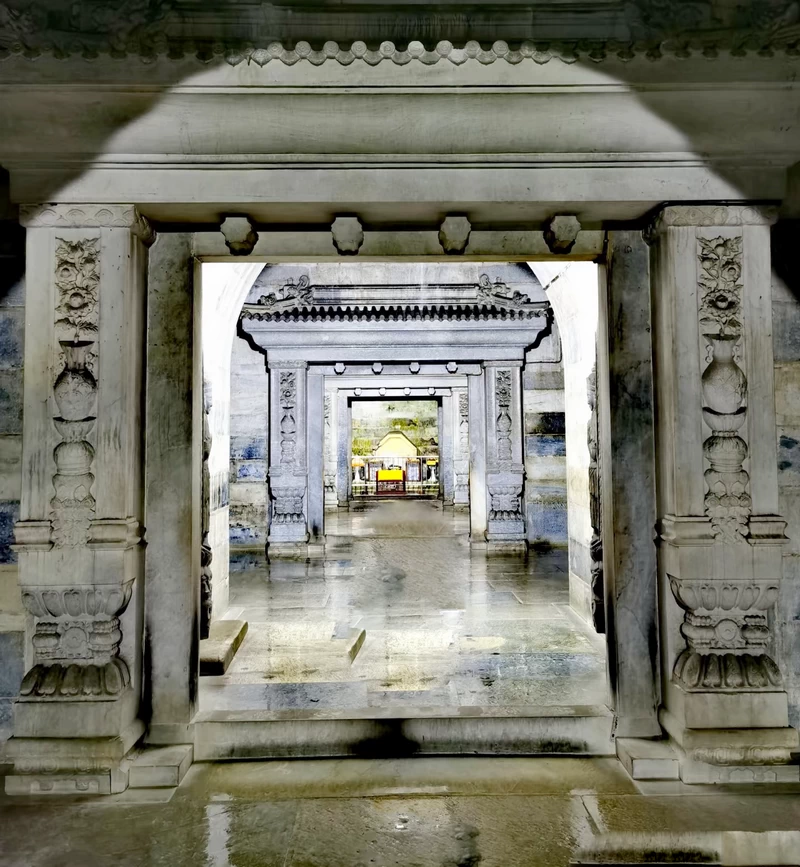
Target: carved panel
(288,411)
(505,503)
(725,622)
(727,501)
(463,423)
(76,642)
(288,505)
(77,279)
(503,415)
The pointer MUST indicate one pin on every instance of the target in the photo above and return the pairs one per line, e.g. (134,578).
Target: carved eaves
(318,32)
(485,300)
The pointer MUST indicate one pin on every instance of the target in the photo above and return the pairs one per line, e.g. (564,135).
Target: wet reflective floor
(402,613)
(440,812)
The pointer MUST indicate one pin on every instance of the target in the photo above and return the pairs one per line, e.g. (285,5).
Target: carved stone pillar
(478,505)
(315,426)
(460,408)
(330,434)
(720,536)
(80,532)
(446,464)
(288,466)
(504,467)
(343,437)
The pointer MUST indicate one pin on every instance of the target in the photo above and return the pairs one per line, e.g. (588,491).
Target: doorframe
(635,677)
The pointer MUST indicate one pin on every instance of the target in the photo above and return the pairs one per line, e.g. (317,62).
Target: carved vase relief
(504,424)
(462,460)
(725,624)
(75,390)
(724,387)
(288,426)
(329,473)
(77,633)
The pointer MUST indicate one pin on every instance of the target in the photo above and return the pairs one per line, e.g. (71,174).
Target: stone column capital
(511,362)
(709,214)
(55,216)
(286,365)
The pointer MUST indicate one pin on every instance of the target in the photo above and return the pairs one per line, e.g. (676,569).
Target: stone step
(722,848)
(373,733)
(217,651)
(160,767)
(648,760)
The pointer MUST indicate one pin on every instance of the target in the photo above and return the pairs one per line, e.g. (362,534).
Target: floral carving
(506,503)
(76,642)
(75,393)
(288,424)
(77,279)
(504,423)
(463,423)
(727,500)
(725,622)
(288,505)
(721,267)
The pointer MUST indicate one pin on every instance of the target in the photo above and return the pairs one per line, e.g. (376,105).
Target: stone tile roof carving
(261,32)
(302,301)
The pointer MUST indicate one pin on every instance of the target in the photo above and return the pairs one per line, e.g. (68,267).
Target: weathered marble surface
(445,626)
(498,812)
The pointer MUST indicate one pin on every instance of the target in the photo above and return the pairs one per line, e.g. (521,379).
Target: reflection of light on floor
(444,626)
(218,822)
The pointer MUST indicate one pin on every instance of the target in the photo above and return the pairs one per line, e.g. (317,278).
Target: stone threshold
(393,733)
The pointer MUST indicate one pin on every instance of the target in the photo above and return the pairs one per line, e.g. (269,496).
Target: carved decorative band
(54,216)
(691,216)
(593,50)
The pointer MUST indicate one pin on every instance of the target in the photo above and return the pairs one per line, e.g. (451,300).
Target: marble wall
(572,290)
(545,448)
(248,454)
(786,347)
(12,327)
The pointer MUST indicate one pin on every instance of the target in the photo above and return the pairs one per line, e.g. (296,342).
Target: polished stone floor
(419,812)
(442,626)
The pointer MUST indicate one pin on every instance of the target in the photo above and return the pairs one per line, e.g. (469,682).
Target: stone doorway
(429,609)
